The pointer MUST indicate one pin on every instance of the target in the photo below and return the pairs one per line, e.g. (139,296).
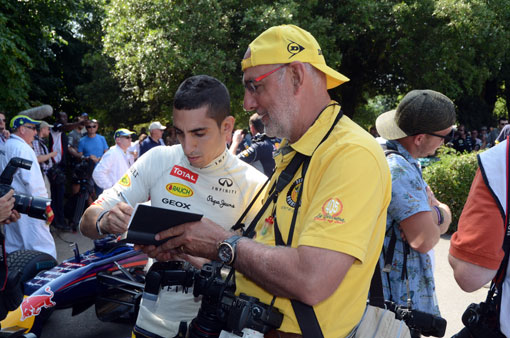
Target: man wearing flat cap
(320,259)
(27,233)
(422,122)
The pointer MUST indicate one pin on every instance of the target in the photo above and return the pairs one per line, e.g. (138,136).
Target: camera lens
(206,324)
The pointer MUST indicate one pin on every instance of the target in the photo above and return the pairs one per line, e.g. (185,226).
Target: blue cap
(122,132)
(20,120)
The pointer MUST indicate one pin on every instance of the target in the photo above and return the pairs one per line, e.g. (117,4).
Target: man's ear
(419,139)
(227,126)
(297,73)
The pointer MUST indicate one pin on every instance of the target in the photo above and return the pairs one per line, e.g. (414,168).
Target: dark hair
(203,90)
(256,122)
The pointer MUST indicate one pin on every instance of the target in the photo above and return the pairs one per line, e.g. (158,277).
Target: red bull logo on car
(180,190)
(33,305)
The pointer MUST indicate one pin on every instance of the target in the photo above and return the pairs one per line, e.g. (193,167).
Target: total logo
(184,173)
(179,189)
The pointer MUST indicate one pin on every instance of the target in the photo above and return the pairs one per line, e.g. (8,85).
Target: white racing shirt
(220,191)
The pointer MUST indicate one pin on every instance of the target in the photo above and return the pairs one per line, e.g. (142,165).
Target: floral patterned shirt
(408,197)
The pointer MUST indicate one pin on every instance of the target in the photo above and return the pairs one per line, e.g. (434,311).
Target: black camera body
(221,309)
(481,320)
(419,323)
(32,206)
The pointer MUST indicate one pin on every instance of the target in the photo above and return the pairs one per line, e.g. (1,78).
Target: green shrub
(450,180)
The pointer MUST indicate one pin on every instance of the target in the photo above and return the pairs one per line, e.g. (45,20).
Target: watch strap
(98,220)
(232,242)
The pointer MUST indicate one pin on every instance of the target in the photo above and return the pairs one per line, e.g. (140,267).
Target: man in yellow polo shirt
(342,199)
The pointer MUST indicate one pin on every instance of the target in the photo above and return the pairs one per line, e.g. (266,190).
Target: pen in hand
(125,198)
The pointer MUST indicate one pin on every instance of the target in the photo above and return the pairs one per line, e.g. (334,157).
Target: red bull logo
(33,305)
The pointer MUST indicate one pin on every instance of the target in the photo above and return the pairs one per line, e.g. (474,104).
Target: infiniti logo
(225,181)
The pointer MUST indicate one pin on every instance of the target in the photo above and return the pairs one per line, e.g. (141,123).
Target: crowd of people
(334,206)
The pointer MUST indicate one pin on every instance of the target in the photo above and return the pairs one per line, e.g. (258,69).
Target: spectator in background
(93,146)
(44,157)
(494,133)
(27,233)
(476,143)
(260,153)
(169,135)
(115,162)
(155,138)
(505,132)
(462,142)
(4,133)
(484,137)
(58,143)
(373,131)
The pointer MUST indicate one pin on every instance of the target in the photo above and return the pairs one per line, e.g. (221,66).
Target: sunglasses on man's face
(447,138)
(90,127)
(30,127)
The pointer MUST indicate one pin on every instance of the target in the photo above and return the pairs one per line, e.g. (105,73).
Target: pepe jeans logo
(180,190)
(294,48)
(224,181)
(184,173)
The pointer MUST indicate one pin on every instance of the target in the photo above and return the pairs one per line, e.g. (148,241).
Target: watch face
(225,253)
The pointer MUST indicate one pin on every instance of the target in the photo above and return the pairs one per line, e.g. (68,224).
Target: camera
(481,320)
(419,323)
(32,206)
(221,309)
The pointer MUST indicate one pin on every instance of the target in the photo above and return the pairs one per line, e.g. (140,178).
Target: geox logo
(294,48)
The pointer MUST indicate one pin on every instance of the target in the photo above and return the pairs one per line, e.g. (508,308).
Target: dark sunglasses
(90,127)
(251,86)
(447,138)
(3,120)
(30,127)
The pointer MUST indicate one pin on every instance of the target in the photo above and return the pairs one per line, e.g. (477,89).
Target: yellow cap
(288,43)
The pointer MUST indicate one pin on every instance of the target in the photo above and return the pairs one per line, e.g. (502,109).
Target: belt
(281,334)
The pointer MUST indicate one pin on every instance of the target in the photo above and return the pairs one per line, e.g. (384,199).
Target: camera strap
(3,263)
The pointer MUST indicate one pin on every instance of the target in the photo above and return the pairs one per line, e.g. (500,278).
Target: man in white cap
(154,139)
(321,259)
(27,233)
(422,122)
(115,162)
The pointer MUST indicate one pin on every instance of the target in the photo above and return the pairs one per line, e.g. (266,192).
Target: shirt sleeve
(481,230)
(105,145)
(408,195)
(101,174)
(80,146)
(249,155)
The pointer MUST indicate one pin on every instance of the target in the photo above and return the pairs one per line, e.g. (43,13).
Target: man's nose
(250,102)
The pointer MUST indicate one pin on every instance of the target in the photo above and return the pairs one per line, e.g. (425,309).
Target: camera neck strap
(3,263)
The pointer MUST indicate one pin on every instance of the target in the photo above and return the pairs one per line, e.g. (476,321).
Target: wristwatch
(227,250)
(98,220)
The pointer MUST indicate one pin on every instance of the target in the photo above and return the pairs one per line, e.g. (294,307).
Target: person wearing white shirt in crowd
(4,133)
(27,233)
(115,162)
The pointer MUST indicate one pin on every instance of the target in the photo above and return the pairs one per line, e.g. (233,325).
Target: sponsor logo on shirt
(218,203)
(179,189)
(331,210)
(184,173)
(224,190)
(292,194)
(225,182)
(177,204)
(125,181)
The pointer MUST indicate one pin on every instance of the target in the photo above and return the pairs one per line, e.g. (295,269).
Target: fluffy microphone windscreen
(38,113)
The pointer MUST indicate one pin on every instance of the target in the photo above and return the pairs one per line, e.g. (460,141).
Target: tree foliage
(123,60)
